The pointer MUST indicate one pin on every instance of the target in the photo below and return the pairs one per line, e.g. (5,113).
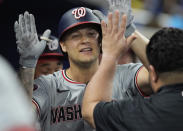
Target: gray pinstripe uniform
(58,99)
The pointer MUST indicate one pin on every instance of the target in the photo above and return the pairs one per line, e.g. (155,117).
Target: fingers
(46,34)
(116,22)
(27,22)
(42,44)
(113,23)
(109,25)
(130,39)
(20,50)
(16,26)
(17,31)
(123,25)
(21,24)
(32,23)
(104,28)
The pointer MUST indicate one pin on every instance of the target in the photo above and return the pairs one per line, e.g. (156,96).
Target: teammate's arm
(142,78)
(27,79)
(124,7)
(29,48)
(100,86)
(138,46)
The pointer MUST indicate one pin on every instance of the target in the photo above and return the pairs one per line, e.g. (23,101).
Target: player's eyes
(92,34)
(75,36)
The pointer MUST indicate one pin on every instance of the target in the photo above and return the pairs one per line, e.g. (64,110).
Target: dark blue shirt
(163,111)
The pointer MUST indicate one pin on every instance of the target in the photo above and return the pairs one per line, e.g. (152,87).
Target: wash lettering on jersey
(67,113)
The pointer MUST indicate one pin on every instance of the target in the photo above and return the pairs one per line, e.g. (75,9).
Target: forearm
(139,47)
(27,79)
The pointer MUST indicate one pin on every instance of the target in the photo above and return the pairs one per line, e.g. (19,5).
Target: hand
(28,45)
(124,7)
(114,42)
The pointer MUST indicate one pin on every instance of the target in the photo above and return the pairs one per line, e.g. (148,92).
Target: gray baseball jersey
(58,99)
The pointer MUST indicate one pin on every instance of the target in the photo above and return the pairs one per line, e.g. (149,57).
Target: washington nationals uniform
(58,99)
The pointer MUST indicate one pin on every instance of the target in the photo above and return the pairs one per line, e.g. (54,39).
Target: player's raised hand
(114,42)
(28,44)
(124,7)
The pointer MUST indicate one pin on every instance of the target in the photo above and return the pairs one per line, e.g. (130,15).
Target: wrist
(27,63)
(130,30)
(109,58)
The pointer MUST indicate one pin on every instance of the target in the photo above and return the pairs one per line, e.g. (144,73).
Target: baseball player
(58,97)
(15,110)
(51,60)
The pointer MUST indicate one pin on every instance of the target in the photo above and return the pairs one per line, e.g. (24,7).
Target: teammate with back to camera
(163,110)
(58,97)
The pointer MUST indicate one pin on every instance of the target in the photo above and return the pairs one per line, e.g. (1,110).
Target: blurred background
(149,16)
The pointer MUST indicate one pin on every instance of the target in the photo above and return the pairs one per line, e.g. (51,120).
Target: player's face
(46,67)
(82,45)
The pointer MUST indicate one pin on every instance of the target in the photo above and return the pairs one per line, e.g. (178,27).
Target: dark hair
(165,50)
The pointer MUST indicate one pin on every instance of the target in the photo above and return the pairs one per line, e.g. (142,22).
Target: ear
(153,74)
(62,44)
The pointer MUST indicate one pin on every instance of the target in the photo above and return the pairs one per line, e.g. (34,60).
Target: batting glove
(28,44)
(124,7)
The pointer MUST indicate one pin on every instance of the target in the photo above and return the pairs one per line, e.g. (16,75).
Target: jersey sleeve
(125,84)
(41,95)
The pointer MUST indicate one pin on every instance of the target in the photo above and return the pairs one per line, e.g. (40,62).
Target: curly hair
(165,50)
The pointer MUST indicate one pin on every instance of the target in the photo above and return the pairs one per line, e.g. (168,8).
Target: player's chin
(88,59)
